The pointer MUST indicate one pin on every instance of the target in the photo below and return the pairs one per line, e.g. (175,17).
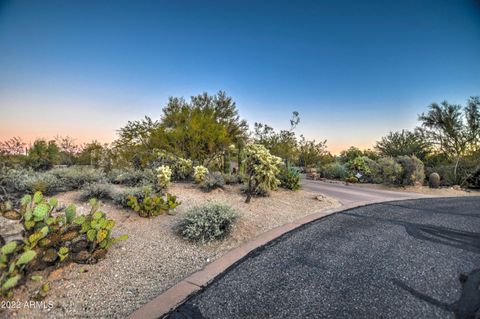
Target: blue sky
(353,69)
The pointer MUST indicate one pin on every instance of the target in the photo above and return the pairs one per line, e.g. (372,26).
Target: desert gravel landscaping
(154,258)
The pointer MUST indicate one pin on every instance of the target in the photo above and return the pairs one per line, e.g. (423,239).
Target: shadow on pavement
(467,307)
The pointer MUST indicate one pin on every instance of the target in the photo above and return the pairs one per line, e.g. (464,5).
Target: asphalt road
(405,259)
(351,194)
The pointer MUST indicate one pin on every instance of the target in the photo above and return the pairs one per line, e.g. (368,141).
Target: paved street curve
(405,259)
(351,194)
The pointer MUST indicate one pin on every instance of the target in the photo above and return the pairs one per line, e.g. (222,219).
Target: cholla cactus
(261,169)
(164,176)
(199,173)
(182,168)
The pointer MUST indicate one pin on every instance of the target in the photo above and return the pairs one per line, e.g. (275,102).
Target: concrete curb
(176,295)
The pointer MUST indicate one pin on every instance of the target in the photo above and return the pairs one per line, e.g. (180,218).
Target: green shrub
(164,176)
(75,177)
(131,177)
(148,204)
(473,181)
(212,181)
(207,222)
(199,173)
(390,171)
(27,181)
(413,170)
(121,197)
(96,190)
(334,170)
(289,178)
(465,169)
(351,179)
(232,179)
(359,165)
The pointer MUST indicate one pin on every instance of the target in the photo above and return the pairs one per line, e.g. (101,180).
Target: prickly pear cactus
(49,239)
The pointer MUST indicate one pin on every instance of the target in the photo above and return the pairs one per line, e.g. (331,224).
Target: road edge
(179,293)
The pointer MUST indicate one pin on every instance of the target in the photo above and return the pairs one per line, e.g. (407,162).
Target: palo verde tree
(402,143)
(202,130)
(311,153)
(134,144)
(283,144)
(453,132)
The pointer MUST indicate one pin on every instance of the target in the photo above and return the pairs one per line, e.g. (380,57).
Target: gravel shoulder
(153,258)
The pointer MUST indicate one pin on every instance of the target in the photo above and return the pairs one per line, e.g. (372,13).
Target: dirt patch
(153,258)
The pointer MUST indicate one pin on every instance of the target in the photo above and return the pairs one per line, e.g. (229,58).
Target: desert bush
(412,170)
(434,180)
(260,191)
(131,177)
(27,181)
(149,204)
(334,170)
(164,176)
(465,169)
(289,178)
(207,222)
(351,179)
(75,177)
(473,181)
(121,197)
(359,165)
(96,190)
(52,239)
(182,169)
(212,181)
(369,169)
(232,179)
(391,171)
(261,169)
(199,173)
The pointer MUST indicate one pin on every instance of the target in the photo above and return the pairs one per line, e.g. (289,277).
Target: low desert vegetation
(51,238)
(205,143)
(208,222)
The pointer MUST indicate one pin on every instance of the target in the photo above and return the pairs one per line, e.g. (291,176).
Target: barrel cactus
(434,180)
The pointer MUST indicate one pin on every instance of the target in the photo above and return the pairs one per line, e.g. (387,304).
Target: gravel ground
(154,258)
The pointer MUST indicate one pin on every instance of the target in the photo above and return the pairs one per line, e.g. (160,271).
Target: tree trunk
(455,169)
(249,190)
